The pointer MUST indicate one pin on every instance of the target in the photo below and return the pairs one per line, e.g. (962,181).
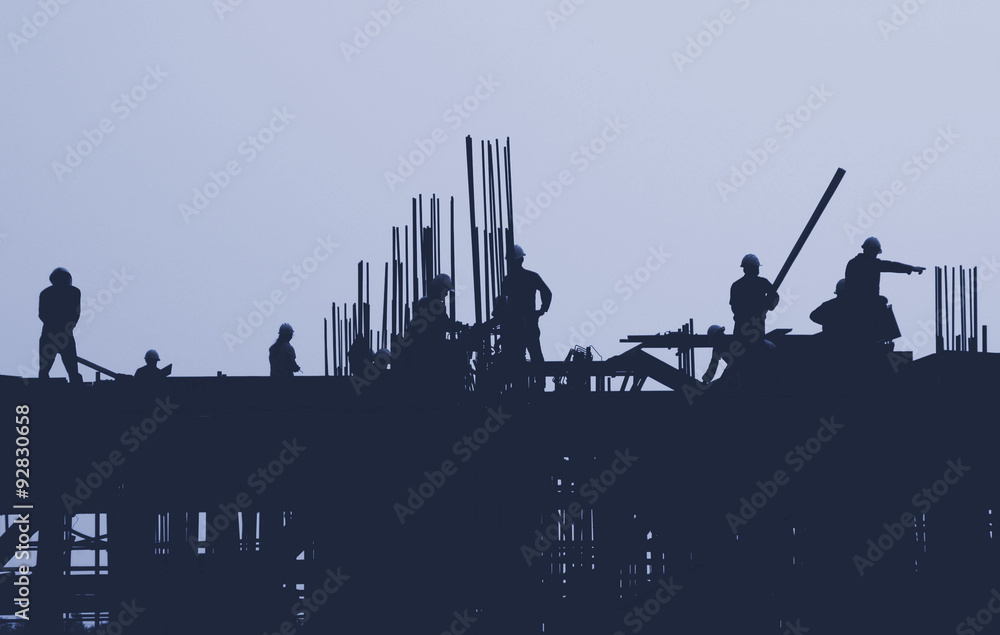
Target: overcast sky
(117,115)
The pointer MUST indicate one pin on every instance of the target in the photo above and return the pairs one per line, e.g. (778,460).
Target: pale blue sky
(212,80)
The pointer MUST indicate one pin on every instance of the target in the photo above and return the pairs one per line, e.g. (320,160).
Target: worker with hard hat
(519,322)
(59,311)
(150,371)
(751,297)
(281,354)
(834,315)
(864,271)
(873,316)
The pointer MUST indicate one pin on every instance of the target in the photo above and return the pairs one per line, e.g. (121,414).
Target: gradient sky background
(555,85)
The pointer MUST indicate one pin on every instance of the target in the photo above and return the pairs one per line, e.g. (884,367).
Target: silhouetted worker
(150,371)
(751,297)
(715,333)
(359,354)
(519,320)
(282,355)
(834,315)
(431,322)
(864,271)
(59,311)
(863,275)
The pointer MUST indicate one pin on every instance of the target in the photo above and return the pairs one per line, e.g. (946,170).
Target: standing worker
(875,321)
(282,355)
(59,311)
(751,297)
(519,324)
(863,272)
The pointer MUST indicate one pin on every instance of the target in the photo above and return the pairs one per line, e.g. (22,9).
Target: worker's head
(439,286)
(382,358)
(60,276)
(871,246)
(152,357)
(841,285)
(516,256)
(750,264)
(285,331)
(716,330)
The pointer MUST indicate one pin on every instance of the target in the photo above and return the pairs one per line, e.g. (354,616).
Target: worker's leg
(47,352)
(69,360)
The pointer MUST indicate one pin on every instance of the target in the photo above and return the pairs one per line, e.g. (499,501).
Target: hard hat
(715,329)
(516,254)
(749,260)
(285,328)
(152,354)
(60,275)
(841,285)
(871,243)
(443,280)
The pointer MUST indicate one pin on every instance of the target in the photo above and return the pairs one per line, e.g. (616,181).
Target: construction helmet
(749,260)
(871,243)
(60,276)
(716,329)
(285,328)
(442,280)
(152,354)
(841,285)
(516,254)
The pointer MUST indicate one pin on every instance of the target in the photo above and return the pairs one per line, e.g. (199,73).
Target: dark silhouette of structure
(281,355)
(751,297)
(518,315)
(59,311)
(872,313)
(254,505)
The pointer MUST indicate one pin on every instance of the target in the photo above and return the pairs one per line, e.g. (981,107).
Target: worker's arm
(546,295)
(888,266)
(713,366)
(773,297)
